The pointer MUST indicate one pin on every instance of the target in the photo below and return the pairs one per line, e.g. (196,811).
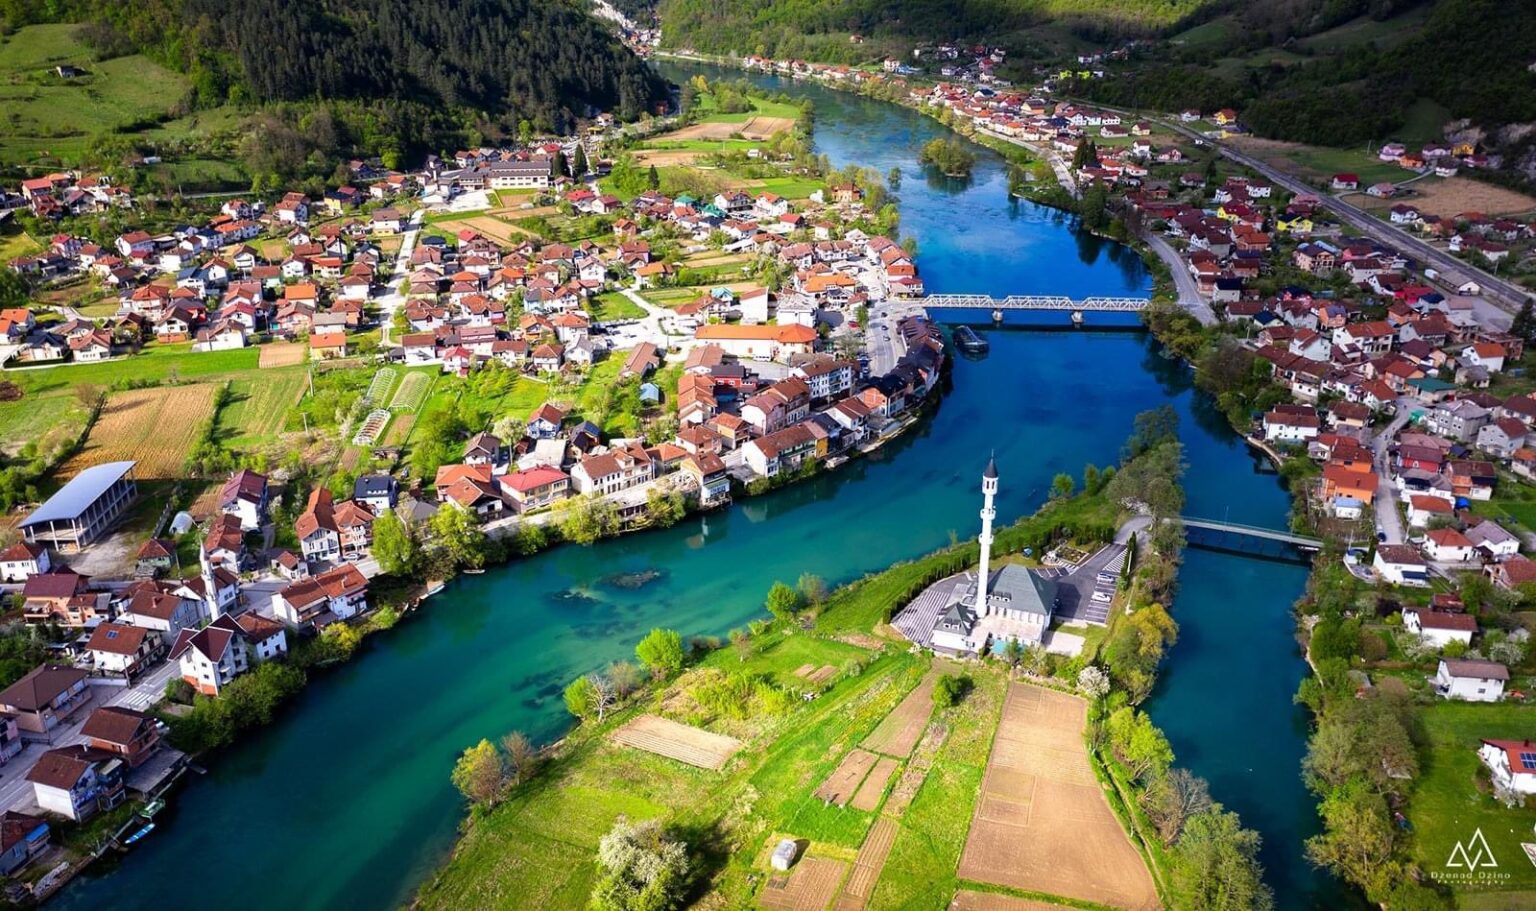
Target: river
(345,801)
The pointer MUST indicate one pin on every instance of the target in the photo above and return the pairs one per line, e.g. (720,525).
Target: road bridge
(1033,302)
(1253,532)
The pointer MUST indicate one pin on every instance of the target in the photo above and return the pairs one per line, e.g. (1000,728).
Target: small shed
(650,392)
(785,854)
(182,523)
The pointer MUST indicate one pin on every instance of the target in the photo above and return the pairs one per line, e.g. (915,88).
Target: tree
(520,754)
(588,697)
(458,533)
(741,641)
(1216,865)
(13,289)
(783,601)
(1061,486)
(1172,799)
(949,689)
(653,179)
(394,546)
(1357,838)
(661,651)
(478,774)
(1093,682)
(1524,324)
(624,676)
(1013,652)
(640,869)
(812,589)
(1137,742)
(579,165)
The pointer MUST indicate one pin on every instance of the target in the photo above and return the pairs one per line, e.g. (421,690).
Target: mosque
(968,613)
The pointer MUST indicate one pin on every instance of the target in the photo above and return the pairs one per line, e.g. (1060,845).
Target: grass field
(44,419)
(48,118)
(258,406)
(154,363)
(614,306)
(15,242)
(1446,805)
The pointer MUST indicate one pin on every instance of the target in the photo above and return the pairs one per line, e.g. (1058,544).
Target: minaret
(988,513)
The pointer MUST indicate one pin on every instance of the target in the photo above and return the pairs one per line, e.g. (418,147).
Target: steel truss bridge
(1033,302)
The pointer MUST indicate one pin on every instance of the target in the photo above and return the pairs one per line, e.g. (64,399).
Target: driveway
(392,299)
(1388,520)
(1189,292)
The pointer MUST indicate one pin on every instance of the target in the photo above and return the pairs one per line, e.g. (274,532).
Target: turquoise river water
(345,801)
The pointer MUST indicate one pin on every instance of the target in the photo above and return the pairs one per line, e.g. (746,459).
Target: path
(1388,521)
(392,300)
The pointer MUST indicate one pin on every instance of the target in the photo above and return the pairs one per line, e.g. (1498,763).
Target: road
(16,791)
(1388,520)
(392,299)
(1189,292)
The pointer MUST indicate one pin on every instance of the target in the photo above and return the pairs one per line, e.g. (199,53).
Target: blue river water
(345,801)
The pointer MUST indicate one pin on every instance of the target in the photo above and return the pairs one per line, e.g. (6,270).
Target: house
(156,557)
(1439,628)
(378,492)
(1447,545)
(336,594)
(758,342)
(708,471)
(782,450)
(119,648)
(1471,680)
(21,560)
(1492,539)
(226,648)
(22,838)
(1291,425)
(319,537)
(1511,764)
(1425,508)
(1400,564)
(544,423)
(77,782)
(612,471)
(535,488)
(165,612)
(354,524)
(45,698)
(244,495)
(132,735)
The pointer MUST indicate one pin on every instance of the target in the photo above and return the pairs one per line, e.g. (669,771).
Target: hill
(821,29)
(420,67)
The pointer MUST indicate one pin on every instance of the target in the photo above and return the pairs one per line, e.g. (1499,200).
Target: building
(535,488)
(1474,681)
(336,594)
(77,782)
(164,612)
(226,648)
(22,560)
(132,735)
(1400,565)
(1511,764)
(119,648)
(319,538)
(84,508)
(22,838)
(45,698)
(378,492)
(759,342)
(244,495)
(1439,628)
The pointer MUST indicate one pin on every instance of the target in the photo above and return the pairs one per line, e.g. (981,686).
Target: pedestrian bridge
(1252,533)
(1033,302)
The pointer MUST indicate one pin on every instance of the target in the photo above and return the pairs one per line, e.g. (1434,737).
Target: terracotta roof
(117,639)
(40,687)
(115,725)
(1431,619)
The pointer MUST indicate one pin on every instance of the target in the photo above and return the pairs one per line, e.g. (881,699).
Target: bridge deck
(1032,302)
(1253,531)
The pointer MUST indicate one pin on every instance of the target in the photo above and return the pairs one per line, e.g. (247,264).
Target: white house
(336,594)
(1439,628)
(1512,764)
(1423,509)
(76,782)
(244,495)
(1488,535)
(1447,545)
(226,648)
(118,648)
(754,305)
(1291,427)
(1474,681)
(22,560)
(1400,565)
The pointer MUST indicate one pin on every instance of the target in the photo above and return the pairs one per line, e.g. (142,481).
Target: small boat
(475,571)
(139,834)
(433,588)
(968,341)
(151,808)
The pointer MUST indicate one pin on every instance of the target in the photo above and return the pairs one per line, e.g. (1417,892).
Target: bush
(247,701)
(950,689)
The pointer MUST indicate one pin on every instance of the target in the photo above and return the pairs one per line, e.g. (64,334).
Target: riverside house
(45,698)
(1469,679)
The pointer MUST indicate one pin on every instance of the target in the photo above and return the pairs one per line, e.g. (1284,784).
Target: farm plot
(755,129)
(258,408)
(156,428)
(873,788)
(373,426)
(844,780)
(1042,823)
(810,886)
(901,729)
(687,744)
(379,388)
(867,865)
(282,354)
(412,392)
(966,900)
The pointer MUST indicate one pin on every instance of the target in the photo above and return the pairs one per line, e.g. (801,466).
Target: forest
(1360,92)
(545,62)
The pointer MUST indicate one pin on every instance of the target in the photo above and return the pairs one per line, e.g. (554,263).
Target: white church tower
(988,513)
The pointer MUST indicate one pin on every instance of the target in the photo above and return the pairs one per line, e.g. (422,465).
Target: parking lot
(1086,592)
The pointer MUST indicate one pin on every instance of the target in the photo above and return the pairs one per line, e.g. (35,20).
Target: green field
(15,242)
(1446,805)
(259,405)
(1365,30)
(48,118)
(614,306)
(155,363)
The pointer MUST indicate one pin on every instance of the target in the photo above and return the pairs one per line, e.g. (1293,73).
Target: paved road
(1388,520)
(1189,292)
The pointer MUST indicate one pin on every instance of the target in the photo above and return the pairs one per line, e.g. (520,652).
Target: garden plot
(412,392)
(899,732)
(687,744)
(868,796)
(966,900)
(844,780)
(867,865)
(156,428)
(372,429)
(379,388)
(810,886)
(1042,823)
(282,354)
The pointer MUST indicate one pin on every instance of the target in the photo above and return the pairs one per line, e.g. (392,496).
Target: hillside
(497,62)
(821,29)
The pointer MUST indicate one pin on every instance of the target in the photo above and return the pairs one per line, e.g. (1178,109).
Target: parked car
(1103,597)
